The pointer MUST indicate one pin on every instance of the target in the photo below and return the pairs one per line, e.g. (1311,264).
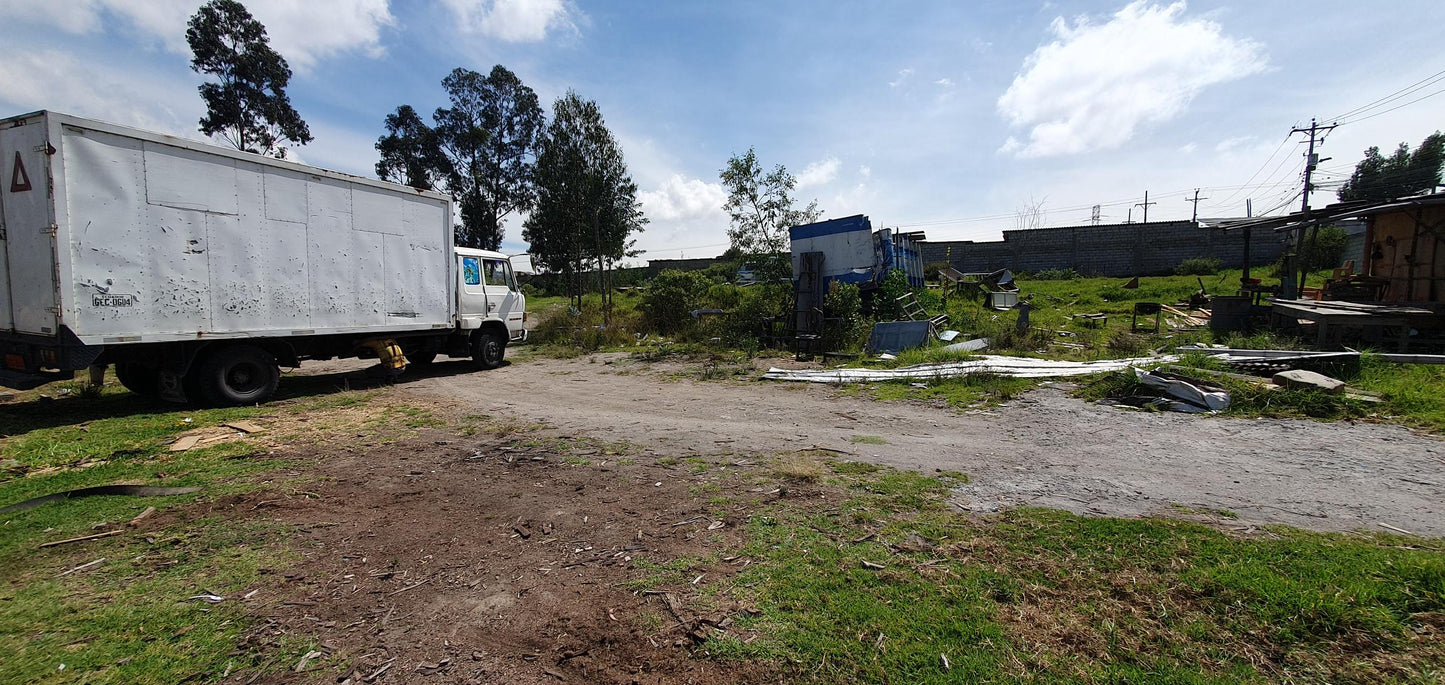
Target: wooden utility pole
(1289,289)
(1196,200)
(1311,161)
(1145,204)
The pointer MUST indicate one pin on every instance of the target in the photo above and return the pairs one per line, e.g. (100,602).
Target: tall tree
(247,106)
(410,152)
(1378,178)
(586,210)
(490,136)
(760,206)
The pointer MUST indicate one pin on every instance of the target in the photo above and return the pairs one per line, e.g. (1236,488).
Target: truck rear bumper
(28,361)
(27,380)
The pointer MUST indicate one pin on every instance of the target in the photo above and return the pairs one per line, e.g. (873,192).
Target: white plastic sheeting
(1020,367)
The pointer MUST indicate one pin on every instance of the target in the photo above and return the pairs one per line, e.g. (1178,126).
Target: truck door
(29,301)
(471,292)
(503,300)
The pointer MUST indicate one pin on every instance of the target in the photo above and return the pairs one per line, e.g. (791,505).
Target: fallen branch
(97,536)
(409,587)
(1401,531)
(82,567)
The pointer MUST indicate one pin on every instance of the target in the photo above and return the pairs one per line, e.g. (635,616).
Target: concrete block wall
(1107,250)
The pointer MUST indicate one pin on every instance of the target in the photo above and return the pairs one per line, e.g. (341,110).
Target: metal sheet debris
(968,345)
(1201,398)
(1019,367)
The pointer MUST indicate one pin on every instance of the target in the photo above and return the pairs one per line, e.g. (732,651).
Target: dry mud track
(1046,449)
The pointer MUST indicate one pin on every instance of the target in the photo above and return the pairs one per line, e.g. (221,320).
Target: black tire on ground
(138,378)
(420,358)
(488,348)
(233,375)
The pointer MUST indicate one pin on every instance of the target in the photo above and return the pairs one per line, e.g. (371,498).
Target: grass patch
(1046,596)
(868,440)
(974,390)
(1413,394)
(128,619)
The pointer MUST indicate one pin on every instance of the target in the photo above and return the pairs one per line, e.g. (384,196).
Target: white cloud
(514,21)
(903,75)
(303,32)
(1233,143)
(51,79)
(1095,84)
(683,199)
(945,82)
(865,171)
(1188,147)
(821,172)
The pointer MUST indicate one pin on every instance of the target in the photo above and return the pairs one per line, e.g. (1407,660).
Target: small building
(852,252)
(1402,248)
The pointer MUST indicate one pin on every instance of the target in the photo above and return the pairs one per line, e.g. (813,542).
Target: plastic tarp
(895,336)
(1020,367)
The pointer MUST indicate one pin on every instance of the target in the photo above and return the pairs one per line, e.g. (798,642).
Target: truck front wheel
(234,375)
(488,348)
(138,378)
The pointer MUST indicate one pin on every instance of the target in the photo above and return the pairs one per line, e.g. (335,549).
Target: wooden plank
(185,443)
(1413,358)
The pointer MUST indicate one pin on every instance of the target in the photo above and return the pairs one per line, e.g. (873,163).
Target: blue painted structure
(855,253)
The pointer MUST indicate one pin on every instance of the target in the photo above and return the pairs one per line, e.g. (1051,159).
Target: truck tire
(420,358)
(234,375)
(138,378)
(488,348)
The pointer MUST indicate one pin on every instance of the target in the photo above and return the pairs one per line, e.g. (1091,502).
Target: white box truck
(199,271)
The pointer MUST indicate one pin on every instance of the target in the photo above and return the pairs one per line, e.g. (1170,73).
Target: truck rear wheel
(488,348)
(139,379)
(234,375)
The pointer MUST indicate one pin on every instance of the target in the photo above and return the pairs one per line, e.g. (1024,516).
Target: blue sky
(948,117)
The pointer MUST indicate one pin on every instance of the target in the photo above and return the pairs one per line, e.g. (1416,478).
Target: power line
(1387,111)
(1422,83)
(1261,168)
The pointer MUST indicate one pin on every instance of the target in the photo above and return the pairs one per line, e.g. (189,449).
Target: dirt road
(1046,449)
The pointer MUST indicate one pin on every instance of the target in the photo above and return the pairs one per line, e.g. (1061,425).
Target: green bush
(843,306)
(1325,250)
(883,305)
(584,328)
(1198,266)
(757,306)
(668,303)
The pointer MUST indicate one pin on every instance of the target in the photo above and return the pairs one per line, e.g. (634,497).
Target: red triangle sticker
(19,180)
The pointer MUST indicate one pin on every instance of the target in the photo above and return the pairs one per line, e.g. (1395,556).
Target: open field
(605,519)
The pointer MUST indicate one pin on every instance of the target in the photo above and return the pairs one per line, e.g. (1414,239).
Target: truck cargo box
(113,235)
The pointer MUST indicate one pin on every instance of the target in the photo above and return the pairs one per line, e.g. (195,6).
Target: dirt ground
(1045,449)
(475,558)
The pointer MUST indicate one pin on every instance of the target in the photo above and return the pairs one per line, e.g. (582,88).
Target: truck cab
(489,301)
